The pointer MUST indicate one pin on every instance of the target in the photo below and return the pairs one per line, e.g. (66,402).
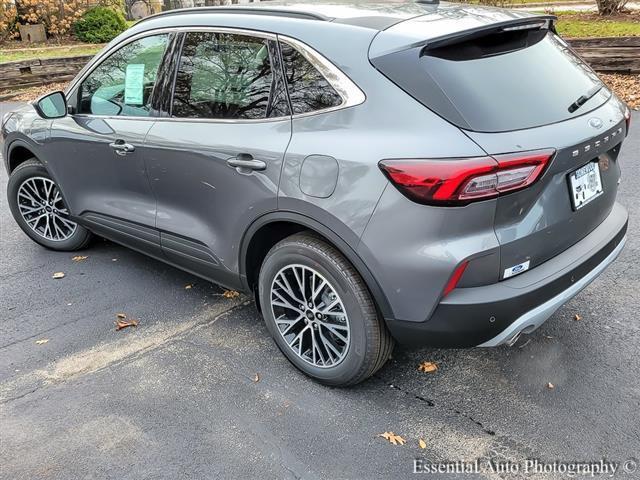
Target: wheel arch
(18,152)
(269,229)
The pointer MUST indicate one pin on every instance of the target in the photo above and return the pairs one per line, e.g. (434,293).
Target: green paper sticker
(134,84)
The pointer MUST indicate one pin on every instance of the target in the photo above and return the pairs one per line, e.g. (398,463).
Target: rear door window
(224,76)
(498,82)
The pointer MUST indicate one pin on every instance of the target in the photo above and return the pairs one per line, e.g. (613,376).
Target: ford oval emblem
(595,122)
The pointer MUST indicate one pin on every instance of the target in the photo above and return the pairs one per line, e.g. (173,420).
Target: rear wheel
(320,312)
(39,209)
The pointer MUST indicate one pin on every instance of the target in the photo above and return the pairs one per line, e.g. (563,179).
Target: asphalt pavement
(199,390)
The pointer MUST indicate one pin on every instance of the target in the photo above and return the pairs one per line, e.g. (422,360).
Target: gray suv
(437,175)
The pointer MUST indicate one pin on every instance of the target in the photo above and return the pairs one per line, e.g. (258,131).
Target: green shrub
(99,25)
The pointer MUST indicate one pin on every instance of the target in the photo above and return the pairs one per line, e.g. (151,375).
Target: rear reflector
(460,181)
(455,278)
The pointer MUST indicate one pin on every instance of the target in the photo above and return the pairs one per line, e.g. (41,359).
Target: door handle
(245,162)
(122,148)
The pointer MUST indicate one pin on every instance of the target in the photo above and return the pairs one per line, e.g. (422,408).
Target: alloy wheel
(310,316)
(43,209)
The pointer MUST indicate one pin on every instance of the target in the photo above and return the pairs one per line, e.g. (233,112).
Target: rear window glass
(498,83)
(309,91)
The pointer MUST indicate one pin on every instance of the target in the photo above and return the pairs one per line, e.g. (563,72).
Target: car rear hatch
(512,85)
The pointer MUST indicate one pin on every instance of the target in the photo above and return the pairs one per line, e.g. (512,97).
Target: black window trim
(350,93)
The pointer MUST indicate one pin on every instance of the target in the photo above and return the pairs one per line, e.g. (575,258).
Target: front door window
(122,84)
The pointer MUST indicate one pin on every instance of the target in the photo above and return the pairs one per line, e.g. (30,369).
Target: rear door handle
(122,148)
(246,162)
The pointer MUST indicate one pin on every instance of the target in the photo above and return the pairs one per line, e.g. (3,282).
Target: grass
(15,54)
(579,25)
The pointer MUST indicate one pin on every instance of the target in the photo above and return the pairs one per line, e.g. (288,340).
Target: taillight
(627,119)
(460,181)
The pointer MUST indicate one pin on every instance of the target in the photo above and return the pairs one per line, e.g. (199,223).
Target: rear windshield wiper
(585,98)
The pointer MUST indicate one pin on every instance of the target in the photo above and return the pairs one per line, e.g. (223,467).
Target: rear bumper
(496,314)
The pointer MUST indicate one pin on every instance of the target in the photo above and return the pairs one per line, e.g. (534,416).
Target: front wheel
(320,312)
(39,209)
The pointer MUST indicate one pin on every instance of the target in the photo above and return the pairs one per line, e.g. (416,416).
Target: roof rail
(241,10)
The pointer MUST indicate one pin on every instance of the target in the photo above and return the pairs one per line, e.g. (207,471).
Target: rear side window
(309,91)
(497,83)
(223,76)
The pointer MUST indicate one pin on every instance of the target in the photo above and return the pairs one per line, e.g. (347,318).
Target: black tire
(370,344)
(29,169)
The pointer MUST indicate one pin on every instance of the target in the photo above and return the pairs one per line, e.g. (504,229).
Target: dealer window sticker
(134,84)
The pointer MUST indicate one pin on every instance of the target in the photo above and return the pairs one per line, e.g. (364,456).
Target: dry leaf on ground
(256,378)
(577,317)
(230,294)
(422,443)
(188,286)
(428,367)
(42,342)
(120,324)
(627,87)
(121,315)
(393,438)
(79,258)
(58,275)
(550,386)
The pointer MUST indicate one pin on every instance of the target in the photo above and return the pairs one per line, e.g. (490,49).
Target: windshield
(498,83)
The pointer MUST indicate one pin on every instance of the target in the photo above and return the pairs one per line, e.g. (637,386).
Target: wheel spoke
(27,210)
(287,288)
(318,289)
(285,303)
(334,329)
(299,281)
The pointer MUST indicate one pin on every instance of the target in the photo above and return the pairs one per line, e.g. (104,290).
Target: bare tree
(610,7)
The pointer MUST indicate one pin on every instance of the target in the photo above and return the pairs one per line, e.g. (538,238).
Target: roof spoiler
(538,22)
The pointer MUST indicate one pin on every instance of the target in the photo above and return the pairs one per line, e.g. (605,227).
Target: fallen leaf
(121,315)
(188,287)
(42,342)
(393,438)
(422,443)
(577,317)
(79,258)
(427,367)
(230,294)
(626,87)
(114,259)
(58,275)
(256,378)
(550,386)
(120,324)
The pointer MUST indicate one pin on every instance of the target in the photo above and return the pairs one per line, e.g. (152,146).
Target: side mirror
(52,105)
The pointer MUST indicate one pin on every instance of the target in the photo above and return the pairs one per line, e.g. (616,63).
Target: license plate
(586,184)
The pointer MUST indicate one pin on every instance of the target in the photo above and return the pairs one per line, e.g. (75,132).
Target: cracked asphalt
(176,397)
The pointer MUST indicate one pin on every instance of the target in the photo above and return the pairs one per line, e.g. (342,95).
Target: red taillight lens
(627,119)
(460,181)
